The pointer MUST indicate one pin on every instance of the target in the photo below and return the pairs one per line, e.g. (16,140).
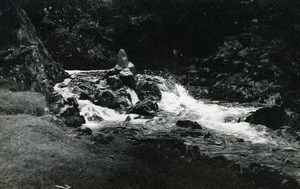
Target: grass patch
(35,153)
(12,103)
(30,148)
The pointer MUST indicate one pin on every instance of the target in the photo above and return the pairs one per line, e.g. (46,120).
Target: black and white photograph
(149,94)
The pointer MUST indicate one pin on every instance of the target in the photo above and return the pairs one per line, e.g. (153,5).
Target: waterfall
(177,101)
(134,97)
(212,116)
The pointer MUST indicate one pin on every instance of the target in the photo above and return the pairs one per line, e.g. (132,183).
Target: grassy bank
(37,153)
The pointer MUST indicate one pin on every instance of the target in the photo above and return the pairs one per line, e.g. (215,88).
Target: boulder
(74,121)
(131,67)
(148,89)
(72,102)
(114,71)
(145,107)
(114,81)
(70,113)
(55,102)
(127,78)
(68,110)
(84,130)
(84,96)
(271,117)
(118,100)
(188,124)
(54,97)
(106,98)
(123,61)
(55,107)
(95,118)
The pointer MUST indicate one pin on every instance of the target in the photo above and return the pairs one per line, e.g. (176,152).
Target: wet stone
(188,124)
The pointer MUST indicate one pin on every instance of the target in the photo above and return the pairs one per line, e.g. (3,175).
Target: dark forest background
(155,34)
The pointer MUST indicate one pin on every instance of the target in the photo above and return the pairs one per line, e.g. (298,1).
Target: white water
(176,100)
(88,109)
(211,116)
(133,95)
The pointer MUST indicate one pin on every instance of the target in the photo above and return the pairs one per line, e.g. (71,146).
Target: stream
(232,137)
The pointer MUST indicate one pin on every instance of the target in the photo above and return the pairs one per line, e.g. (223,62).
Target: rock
(289,149)
(128,118)
(207,135)
(86,86)
(118,100)
(145,107)
(266,175)
(54,97)
(55,107)
(84,96)
(122,59)
(131,67)
(106,98)
(84,130)
(68,110)
(74,121)
(288,183)
(70,113)
(148,89)
(23,57)
(72,102)
(127,78)
(114,71)
(95,118)
(188,124)
(271,117)
(232,119)
(114,81)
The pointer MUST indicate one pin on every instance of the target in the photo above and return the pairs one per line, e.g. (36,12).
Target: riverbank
(37,152)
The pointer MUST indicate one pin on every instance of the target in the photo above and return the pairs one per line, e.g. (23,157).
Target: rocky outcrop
(123,61)
(145,107)
(23,57)
(245,69)
(188,124)
(118,100)
(148,89)
(272,117)
(128,78)
(70,113)
(114,82)
(106,98)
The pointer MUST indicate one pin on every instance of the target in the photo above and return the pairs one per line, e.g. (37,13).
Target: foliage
(155,34)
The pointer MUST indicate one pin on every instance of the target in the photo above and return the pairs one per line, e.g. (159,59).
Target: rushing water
(261,144)
(177,101)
